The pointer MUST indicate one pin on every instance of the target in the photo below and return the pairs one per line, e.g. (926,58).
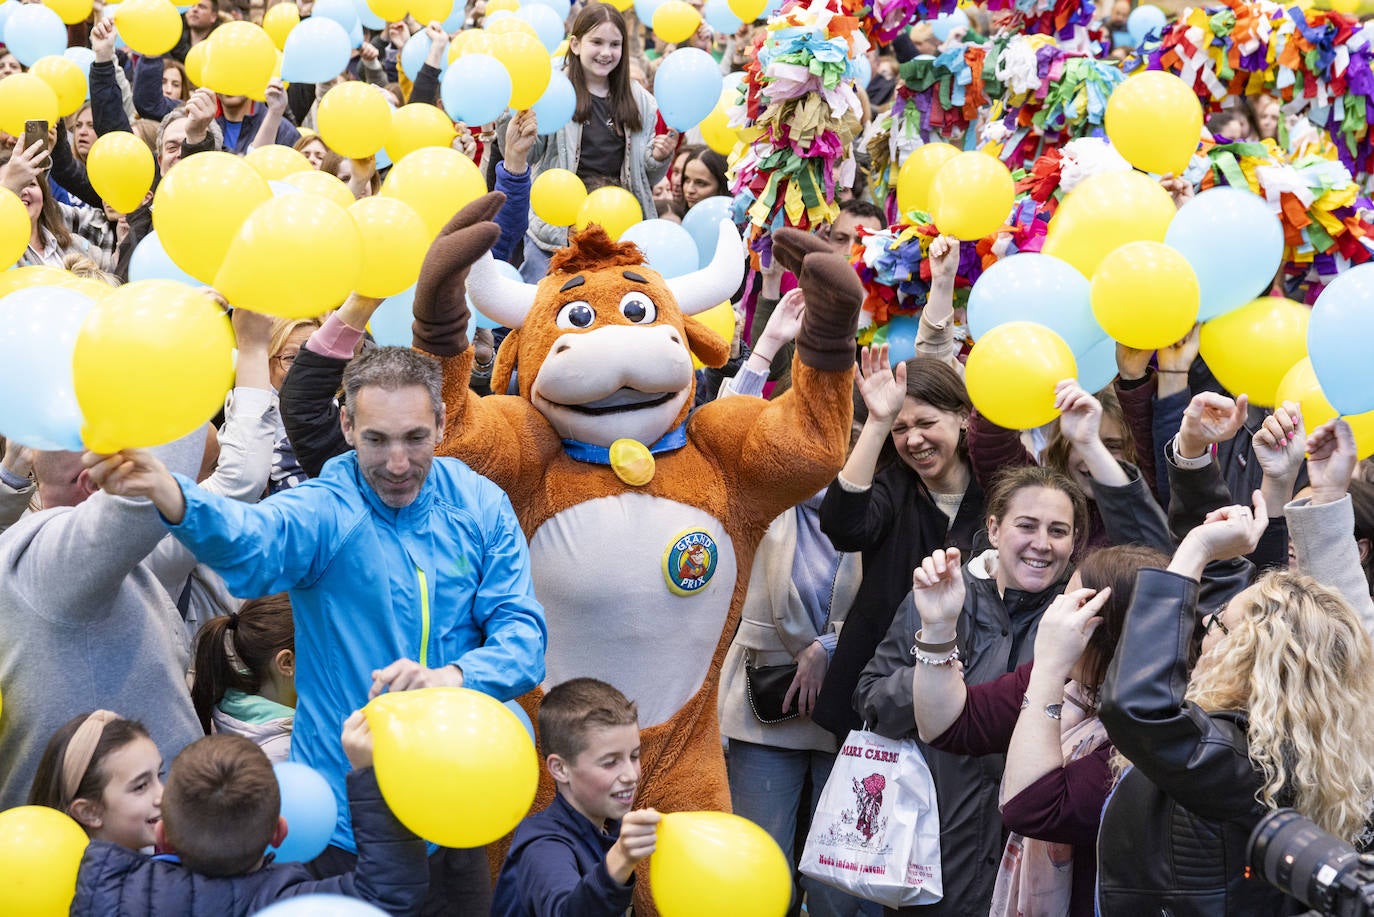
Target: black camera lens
(1299,858)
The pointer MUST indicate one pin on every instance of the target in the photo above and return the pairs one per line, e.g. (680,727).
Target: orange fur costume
(642,585)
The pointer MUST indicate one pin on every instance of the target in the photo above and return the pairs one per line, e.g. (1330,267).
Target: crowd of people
(1119,640)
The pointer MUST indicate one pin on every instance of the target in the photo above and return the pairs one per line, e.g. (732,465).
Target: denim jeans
(766,786)
(536,263)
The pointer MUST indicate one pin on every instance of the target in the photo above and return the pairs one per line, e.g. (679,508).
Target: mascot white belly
(636,590)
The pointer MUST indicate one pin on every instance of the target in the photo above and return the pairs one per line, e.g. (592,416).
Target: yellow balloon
(473,41)
(1145,295)
(427,11)
(354,119)
(195,63)
(274,161)
(971,196)
(394,242)
(296,256)
(416,126)
(721,320)
(615,209)
(25,97)
(1154,121)
(1105,212)
(503,25)
(389,10)
(621,5)
(35,275)
(70,11)
(715,128)
(40,854)
(675,21)
(748,10)
(120,167)
(313,181)
(240,61)
(556,196)
(529,66)
(437,182)
(917,173)
(1012,371)
(1300,385)
(150,27)
(456,766)
(14,228)
(496,6)
(1250,349)
(153,362)
(65,78)
(278,22)
(719,864)
(199,206)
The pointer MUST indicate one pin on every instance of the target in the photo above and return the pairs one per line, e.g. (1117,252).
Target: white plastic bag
(876,832)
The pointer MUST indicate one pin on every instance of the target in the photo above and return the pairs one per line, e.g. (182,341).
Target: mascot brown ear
(505,363)
(708,347)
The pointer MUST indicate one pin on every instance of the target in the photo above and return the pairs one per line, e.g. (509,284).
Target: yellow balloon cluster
(120,167)
(719,864)
(199,207)
(40,854)
(1105,212)
(615,209)
(917,173)
(715,128)
(675,21)
(14,229)
(313,181)
(354,119)
(25,97)
(279,20)
(427,11)
(239,60)
(296,256)
(150,27)
(556,196)
(416,126)
(394,242)
(65,79)
(390,10)
(455,765)
(153,362)
(1300,386)
(274,161)
(70,11)
(971,196)
(1154,120)
(1145,295)
(437,182)
(529,66)
(1252,348)
(1012,371)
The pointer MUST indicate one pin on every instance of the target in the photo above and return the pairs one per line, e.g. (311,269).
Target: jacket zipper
(424,617)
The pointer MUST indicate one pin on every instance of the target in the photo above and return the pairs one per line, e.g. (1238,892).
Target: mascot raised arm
(642,515)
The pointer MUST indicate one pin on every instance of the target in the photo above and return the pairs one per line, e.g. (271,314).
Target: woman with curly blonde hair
(1278,711)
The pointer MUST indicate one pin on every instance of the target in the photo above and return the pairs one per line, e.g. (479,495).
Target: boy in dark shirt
(578,856)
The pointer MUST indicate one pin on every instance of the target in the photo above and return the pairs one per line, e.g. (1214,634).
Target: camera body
(1322,871)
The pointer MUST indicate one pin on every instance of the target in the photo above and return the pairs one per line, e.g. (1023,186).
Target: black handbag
(766,686)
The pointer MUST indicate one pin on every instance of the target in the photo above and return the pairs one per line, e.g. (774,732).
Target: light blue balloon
(150,261)
(280,187)
(702,223)
(901,338)
(945,23)
(383,161)
(687,87)
(1234,242)
(82,57)
(369,19)
(668,248)
(390,325)
(732,80)
(457,20)
(1338,339)
(720,17)
(1097,365)
(508,271)
(561,8)
(38,331)
(413,56)
(489,18)
(341,11)
(645,9)
(7,10)
(33,32)
(522,716)
(321,906)
(773,8)
(310,810)
(547,24)
(1029,286)
(316,51)
(355,35)
(476,89)
(556,106)
(1145,20)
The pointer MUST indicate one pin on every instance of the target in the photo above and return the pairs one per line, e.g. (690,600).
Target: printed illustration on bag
(869,793)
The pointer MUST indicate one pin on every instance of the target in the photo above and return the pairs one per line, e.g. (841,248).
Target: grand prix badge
(689,562)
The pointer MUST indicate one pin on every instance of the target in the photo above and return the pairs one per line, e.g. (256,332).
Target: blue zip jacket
(444,581)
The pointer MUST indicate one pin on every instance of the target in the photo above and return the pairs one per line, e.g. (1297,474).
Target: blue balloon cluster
(547,24)
(33,32)
(476,89)
(316,51)
(687,87)
(1234,242)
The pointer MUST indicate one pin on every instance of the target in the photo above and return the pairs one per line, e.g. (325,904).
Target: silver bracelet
(924,658)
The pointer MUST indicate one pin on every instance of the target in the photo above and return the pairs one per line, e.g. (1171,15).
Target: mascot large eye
(638,308)
(576,314)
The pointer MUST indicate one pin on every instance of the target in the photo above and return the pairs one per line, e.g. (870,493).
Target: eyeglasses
(287,358)
(1214,620)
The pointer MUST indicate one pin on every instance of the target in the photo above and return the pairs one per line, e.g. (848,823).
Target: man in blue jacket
(404,572)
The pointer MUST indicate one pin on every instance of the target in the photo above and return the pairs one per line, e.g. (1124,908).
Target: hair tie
(230,651)
(233,620)
(80,750)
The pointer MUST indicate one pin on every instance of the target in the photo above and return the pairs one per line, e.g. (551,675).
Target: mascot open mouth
(619,401)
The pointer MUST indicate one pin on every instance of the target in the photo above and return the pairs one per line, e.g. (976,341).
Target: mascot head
(604,344)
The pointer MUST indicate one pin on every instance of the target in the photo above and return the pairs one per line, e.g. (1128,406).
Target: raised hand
(1066,627)
(1281,443)
(1231,531)
(944,259)
(882,388)
(357,740)
(1080,418)
(1331,460)
(103,40)
(1210,418)
(937,588)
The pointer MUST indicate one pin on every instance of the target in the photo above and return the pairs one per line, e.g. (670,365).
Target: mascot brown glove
(441,306)
(833,298)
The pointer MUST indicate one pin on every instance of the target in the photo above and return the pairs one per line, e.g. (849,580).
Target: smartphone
(36,132)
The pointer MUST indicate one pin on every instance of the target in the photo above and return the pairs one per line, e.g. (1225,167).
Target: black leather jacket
(1174,831)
